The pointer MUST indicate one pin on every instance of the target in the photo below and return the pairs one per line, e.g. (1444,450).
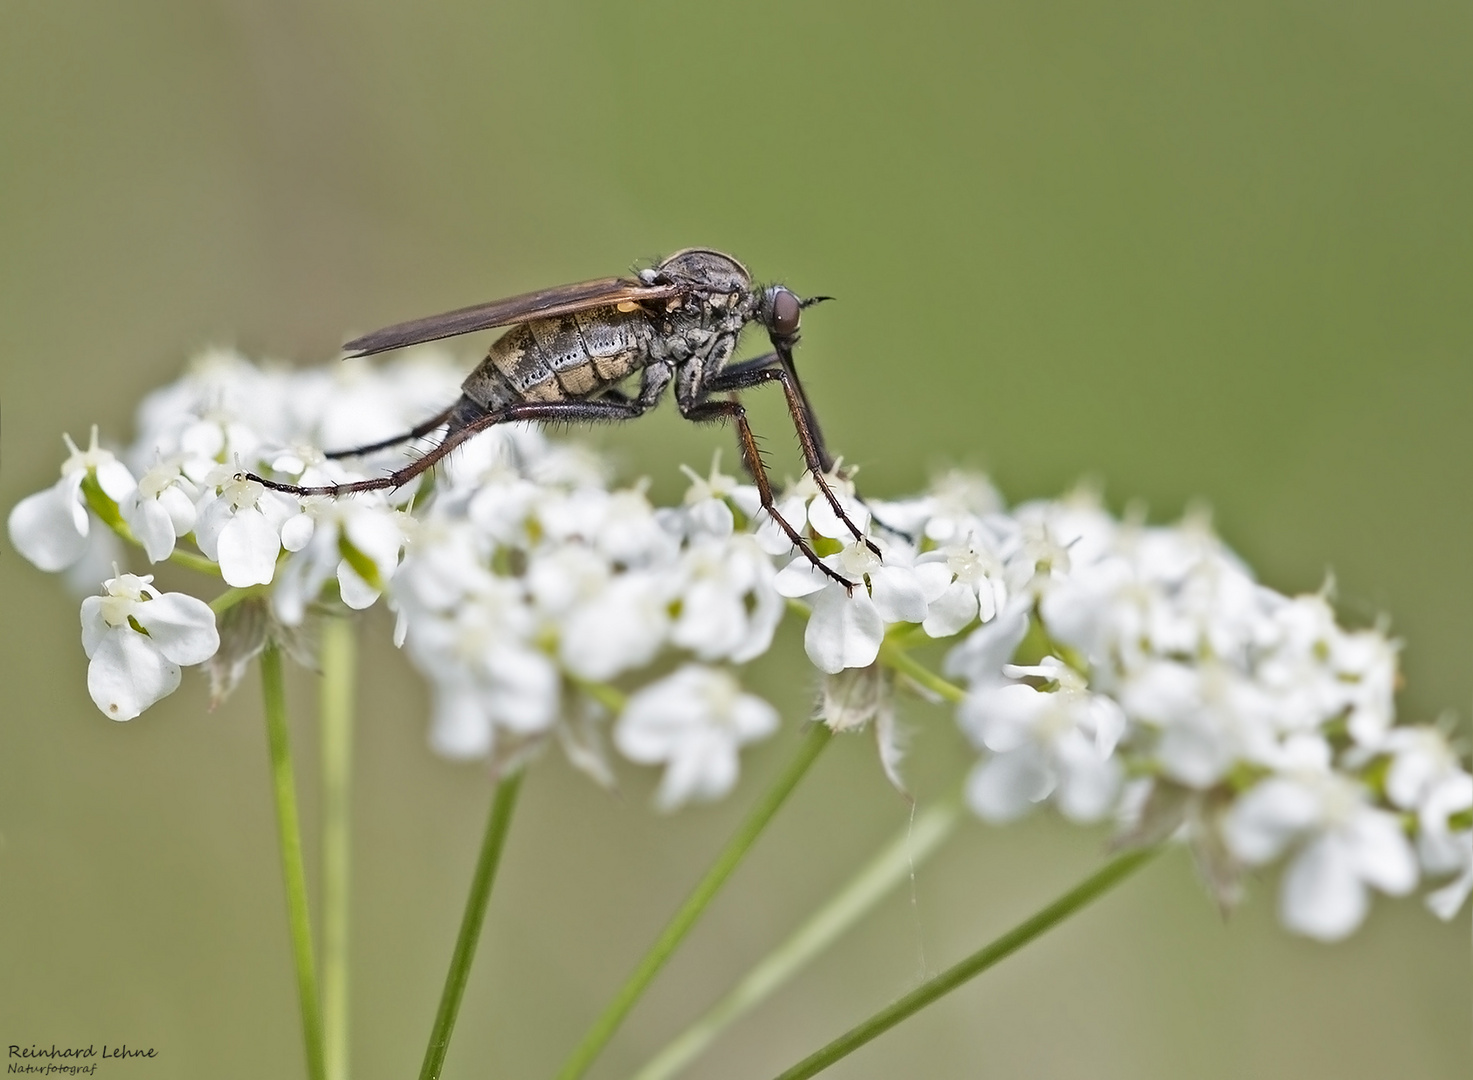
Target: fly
(570,347)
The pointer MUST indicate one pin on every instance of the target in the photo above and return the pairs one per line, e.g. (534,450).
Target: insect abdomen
(564,358)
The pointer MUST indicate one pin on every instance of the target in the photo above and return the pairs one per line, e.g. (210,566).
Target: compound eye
(785,312)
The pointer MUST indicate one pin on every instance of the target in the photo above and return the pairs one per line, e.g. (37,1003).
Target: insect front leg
(772,368)
(725,409)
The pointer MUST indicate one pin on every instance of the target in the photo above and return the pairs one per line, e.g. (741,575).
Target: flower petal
(1382,855)
(181,627)
(151,524)
(460,727)
(128,674)
(843,631)
(115,479)
(296,531)
(826,523)
(897,594)
(950,612)
(355,592)
(1321,896)
(705,768)
(50,527)
(248,548)
(94,626)
(1008,786)
(800,578)
(1266,817)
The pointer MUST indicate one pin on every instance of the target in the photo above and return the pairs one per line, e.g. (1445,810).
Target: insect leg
(567,411)
(774,368)
(724,409)
(418,431)
(739,375)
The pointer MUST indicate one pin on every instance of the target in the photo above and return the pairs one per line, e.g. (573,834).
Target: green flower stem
(695,904)
(339,661)
(289,835)
(187,558)
(230,597)
(610,697)
(1092,888)
(492,844)
(893,865)
(897,659)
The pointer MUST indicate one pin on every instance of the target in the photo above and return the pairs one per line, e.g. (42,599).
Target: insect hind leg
(419,431)
(462,425)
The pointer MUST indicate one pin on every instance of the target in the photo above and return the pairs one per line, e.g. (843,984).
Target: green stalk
(289,835)
(230,597)
(338,656)
(695,904)
(1092,888)
(894,656)
(197,563)
(492,845)
(893,865)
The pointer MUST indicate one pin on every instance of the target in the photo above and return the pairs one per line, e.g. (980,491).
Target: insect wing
(543,304)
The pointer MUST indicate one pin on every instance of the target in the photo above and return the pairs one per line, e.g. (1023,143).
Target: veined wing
(543,304)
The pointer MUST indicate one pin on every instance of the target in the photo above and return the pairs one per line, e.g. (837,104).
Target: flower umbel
(694,721)
(1105,665)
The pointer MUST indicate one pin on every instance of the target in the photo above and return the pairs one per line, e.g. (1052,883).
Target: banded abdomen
(571,357)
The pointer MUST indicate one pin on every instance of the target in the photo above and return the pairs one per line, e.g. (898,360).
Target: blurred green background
(1192,251)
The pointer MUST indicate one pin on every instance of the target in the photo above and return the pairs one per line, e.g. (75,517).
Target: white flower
(509,686)
(1131,593)
(952,514)
(981,657)
(1319,671)
(729,607)
(50,528)
(160,510)
(1421,759)
(240,528)
(1345,845)
(962,582)
(1038,556)
(137,638)
(1056,742)
(337,539)
(707,500)
(474,648)
(620,628)
(1443,849)
(1208,717)
(694,721)
(805,504)
(502,506)
(847,626)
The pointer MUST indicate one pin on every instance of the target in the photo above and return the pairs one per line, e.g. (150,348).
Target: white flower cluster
(1142,672)
(521,582)
(1111,669)
(528,581)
